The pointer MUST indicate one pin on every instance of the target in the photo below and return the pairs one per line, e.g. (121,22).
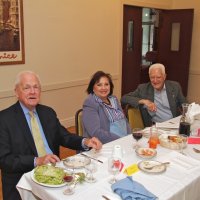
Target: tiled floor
(64,152)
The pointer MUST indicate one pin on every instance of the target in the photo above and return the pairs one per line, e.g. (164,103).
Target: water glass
(114,167)
(90,169)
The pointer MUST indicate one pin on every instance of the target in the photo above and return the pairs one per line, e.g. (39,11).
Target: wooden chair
(134,117)
(78,122)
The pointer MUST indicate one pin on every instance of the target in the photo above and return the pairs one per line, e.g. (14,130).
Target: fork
(196,150)
(164,163)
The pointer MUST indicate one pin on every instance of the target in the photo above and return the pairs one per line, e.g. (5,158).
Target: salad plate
(152,167)
(76,161)
(48,176)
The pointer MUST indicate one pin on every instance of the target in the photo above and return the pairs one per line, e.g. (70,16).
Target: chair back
(78,122)
(134,117)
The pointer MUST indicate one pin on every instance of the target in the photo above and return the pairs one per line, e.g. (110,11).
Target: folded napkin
(193,112)
(128,189)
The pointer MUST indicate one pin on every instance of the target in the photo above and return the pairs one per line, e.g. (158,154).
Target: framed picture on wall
(11,32)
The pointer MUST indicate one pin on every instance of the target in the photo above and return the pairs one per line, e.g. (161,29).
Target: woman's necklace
(107,101)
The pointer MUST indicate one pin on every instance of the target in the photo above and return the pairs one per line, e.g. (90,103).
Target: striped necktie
(39,143)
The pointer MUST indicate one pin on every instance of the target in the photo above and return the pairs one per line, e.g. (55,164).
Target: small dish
(148,167)
(76,162)
(146,153)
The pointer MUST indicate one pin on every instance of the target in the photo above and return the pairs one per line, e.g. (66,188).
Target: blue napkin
(128,189)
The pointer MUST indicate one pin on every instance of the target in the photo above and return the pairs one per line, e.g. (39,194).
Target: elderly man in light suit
(159,100)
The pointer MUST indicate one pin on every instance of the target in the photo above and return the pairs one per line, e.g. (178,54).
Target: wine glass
(90,168)
(70,180)
(114,166)
(70,188)
(137,135)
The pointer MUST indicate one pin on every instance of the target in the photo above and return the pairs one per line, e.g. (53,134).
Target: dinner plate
(44,184)
(146,153)
(76,162)
(160,168)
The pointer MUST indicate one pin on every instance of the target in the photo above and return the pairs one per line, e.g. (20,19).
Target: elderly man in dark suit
(19,152)
(159,100)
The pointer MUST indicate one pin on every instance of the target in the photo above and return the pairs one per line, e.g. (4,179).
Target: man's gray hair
(20,74)
(157,66)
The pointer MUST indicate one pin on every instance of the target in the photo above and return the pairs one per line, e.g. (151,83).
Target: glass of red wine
(137,134)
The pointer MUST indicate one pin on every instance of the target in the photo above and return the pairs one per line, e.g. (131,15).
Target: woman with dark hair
(102,114)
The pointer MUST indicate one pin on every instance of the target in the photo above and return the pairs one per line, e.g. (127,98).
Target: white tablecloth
(181,180)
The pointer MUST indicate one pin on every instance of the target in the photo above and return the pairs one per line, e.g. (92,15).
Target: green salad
(49,175)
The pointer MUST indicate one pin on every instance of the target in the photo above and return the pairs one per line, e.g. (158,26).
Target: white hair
(157,66)
(20,74)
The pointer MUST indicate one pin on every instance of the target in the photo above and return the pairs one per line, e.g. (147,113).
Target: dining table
(180,180)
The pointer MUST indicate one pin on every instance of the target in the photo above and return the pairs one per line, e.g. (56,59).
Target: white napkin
(193,112)
(169,124)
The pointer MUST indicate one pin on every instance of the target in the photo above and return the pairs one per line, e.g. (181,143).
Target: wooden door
(176,59)
(132,40)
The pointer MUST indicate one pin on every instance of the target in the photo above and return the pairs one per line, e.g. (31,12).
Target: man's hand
(151,106)
(93,143)
(49,158)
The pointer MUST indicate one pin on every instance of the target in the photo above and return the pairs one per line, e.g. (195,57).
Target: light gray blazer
(96,122)
(146,91)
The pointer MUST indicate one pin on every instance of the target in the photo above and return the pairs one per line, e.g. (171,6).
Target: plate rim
(149,171)
(76,167)
(143,156)
(44,184)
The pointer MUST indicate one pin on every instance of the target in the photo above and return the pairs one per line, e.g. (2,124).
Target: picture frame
(11,32)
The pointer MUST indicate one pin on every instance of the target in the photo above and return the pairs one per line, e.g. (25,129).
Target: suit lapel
(151,93)
(171,97)
(20,118)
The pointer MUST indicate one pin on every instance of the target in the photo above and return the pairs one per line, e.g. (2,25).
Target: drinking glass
(183,142)
(114,166)
(90,168)
(70,188)
(153,140)
(137,134)
(71,171)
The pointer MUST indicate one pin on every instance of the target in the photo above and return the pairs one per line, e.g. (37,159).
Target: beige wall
(194,74)
(66,41)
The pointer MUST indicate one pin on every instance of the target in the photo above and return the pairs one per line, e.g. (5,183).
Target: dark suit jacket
(146,91)
(17,148)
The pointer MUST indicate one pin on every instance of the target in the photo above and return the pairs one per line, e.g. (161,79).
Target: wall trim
(145,4)
(55,86)
(194,72)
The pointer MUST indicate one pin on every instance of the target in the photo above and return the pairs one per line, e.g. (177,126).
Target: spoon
(196,150)
(151,167)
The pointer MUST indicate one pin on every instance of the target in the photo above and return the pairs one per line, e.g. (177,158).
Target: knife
(105,197)
(91,158)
